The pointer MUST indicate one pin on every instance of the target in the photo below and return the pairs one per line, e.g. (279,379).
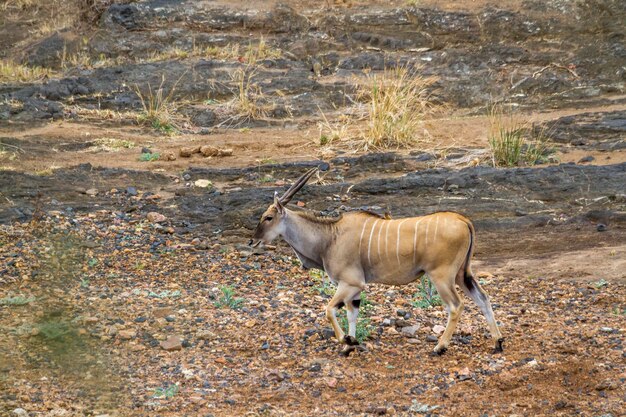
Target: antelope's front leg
(344,295)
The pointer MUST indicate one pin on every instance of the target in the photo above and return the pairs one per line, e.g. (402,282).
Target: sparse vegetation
(228,299)
(11,72)
(426,295)
(149,157)
(18,300)
(158,108)
(397,102)
(111,145)
(322,284)
(167,392)
(248,99)
(508,139)
(332,131)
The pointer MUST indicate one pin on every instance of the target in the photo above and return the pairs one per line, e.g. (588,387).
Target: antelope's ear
(278,204)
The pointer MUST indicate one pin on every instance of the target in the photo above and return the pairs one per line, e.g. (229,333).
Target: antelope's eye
(269,218)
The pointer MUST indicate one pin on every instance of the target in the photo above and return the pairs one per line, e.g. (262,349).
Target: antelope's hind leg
(474,291)
(444,282)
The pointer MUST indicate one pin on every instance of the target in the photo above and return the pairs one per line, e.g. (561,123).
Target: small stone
(601,227)
(401,313)
(92,192)
(432,339)
(186,177)
(127,334)
(205,335)
(438,329)
(586,159)
(300,203)
(91,320)
(387,322)
(327,334)
(154,217)
(464,374)
(413,341)
(132,191)
(202,183)
(410,331)
(265,345)
(172,343)
(162,312)
(331,382)
(20,412)
(533,363)
(208,150)
(167,156)
(146,150)
(188,151)
(140,319)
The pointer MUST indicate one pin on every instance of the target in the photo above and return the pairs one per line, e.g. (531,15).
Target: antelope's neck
(306,237)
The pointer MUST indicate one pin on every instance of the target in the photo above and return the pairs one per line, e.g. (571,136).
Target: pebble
(132,191)
(172,343)
(387,322)
(601,227)
(154,217)
(413,341)
(432,339)
(127,334)
(92,192)
(438,329)
(410,330)
(202,183)
(20,412)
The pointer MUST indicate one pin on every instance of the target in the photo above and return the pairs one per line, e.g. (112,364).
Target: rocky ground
(126,287)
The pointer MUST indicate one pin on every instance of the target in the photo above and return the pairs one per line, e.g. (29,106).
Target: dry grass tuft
(11,72)
(397,102)
(248,102)
(158,110)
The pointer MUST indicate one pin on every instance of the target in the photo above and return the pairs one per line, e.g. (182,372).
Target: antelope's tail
(468,258)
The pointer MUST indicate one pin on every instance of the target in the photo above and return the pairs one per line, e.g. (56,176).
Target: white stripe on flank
(362,232)
(415,239)
(369,244)
(427,224)
(379,231)
(436,227)
(398,241)
(387,240)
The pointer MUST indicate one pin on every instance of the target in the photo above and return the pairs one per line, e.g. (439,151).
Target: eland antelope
(362,248)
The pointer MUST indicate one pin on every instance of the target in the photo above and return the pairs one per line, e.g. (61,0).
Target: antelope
(361,248)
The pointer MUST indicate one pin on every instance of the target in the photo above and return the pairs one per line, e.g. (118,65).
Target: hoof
(498,348)
(440,351)
(350,341)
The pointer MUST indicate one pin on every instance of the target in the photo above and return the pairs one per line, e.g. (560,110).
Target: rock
(331,382)
(132,191)
(431,339)
(154,217)
(401,323)
(327,333)
(532,364)
(204,118)
(208,150)
(167,156)
(91,320)
(601,227)
(413,341)
(20,412)
(410,331)
(205,335)
(203,183)
(387,322)
(401,313)
(127,334)
(586,159)
(92,192)
(146,150)
(438,329)
(162,312)
(464,374)
(172,343)
(186,152)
